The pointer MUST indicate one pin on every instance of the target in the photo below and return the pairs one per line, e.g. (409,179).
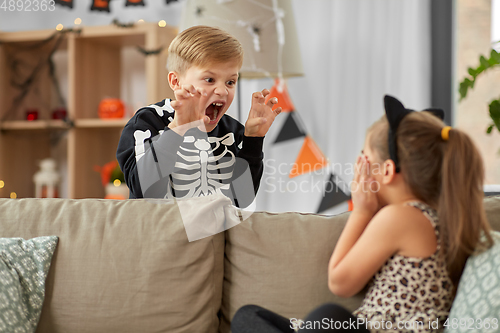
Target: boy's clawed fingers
(272,101)
(261,114)
(175,104)
(189,90)
(201,92)
(259,97)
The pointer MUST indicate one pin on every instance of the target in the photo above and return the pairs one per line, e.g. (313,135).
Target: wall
(472,115)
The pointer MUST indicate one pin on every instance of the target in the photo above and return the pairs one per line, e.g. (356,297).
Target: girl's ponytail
(461,213)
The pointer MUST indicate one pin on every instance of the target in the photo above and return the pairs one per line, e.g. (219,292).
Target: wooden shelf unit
(92,64)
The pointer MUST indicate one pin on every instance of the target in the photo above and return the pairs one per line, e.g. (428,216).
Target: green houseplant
(485,64)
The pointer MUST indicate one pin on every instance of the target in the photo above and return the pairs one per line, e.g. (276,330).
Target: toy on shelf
(60,113)
(111,108)
(31,114)
(113,180)
(47,179)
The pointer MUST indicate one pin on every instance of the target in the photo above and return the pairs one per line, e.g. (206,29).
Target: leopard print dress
(409,294)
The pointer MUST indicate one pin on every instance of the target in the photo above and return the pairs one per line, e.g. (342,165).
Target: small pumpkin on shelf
(111,108)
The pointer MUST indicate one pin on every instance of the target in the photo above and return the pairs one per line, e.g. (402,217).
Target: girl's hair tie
(445,133)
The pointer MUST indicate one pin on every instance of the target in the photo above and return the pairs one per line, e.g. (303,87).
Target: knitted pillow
(24,265)
(476,307)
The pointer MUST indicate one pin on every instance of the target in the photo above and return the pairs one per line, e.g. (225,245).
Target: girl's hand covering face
(364,188)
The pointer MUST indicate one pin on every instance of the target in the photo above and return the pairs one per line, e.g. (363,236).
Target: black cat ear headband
(395,112)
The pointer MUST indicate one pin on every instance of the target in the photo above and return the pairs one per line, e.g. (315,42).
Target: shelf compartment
(18,60)
(21,153)
(20,125)
(91,147)
(108,65)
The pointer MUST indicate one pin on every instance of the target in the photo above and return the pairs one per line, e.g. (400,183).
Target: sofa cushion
(492,207)
(477,303)
(24,265)
(121,266)
(280,261)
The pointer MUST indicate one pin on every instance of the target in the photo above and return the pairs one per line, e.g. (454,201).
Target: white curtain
(354,52)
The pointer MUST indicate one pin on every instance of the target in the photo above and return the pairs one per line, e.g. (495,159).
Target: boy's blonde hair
(203,46)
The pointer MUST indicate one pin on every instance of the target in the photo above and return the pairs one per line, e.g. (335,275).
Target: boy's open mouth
(213,110)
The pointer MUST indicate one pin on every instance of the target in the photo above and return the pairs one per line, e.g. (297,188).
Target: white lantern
(46,180)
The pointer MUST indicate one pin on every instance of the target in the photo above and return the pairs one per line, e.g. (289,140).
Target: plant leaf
(484,63)
(480,69)
(464,86)
(490,128)
(494,58)
(472,72)
(495,112)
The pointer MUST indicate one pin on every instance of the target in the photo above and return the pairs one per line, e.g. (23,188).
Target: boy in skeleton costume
(188,147)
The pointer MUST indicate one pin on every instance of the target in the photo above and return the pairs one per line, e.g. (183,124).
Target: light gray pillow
(476,307)
(24,265)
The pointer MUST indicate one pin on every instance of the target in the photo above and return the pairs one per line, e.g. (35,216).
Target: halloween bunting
(291,128)
(334,193)
(100,5)
(280,91)
(64,3)
(310,159)
(134,3)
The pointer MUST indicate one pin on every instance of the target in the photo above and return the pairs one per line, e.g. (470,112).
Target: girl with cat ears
(408,238)
(443,168)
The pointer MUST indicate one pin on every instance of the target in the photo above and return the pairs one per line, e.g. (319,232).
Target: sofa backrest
(279,261)
(121,266)
(127,266)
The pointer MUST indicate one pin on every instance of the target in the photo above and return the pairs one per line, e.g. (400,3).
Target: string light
(13,195)
(162,24)
(2,184)
(78,21)
(117,182)
(59,27)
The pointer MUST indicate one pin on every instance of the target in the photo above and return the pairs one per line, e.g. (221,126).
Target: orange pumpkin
(111,108)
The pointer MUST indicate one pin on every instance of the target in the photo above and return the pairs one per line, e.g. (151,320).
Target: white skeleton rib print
(199,168)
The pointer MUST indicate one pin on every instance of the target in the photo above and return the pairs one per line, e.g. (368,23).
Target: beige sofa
(127,266)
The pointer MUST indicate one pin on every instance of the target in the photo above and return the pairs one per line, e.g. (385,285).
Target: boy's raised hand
(261,114)
(189,106)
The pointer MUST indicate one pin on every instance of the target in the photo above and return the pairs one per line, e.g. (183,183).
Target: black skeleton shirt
(159,163)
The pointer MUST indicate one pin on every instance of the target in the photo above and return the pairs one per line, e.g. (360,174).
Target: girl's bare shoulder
(410,228)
